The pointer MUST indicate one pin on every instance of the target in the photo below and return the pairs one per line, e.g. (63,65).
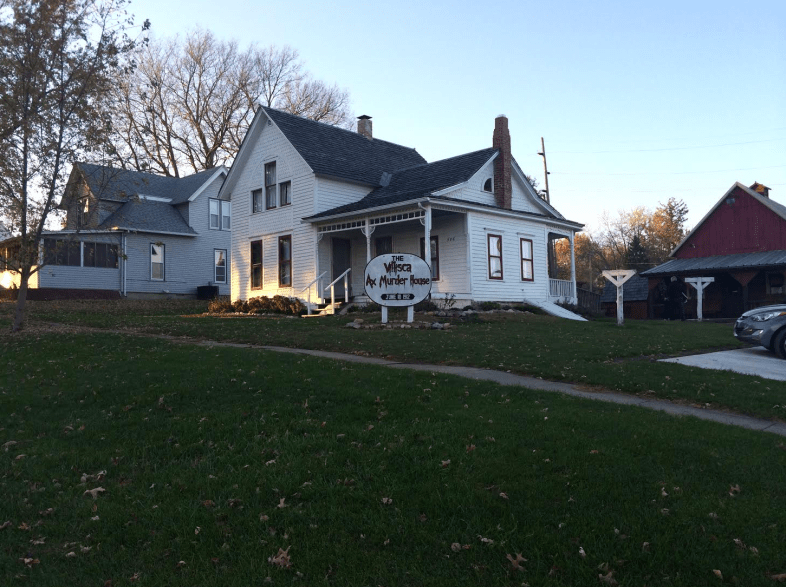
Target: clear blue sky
(637,101)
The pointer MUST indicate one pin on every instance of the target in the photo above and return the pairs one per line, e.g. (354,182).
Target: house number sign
(397,280)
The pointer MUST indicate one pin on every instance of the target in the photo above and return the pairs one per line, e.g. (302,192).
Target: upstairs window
(83,212)
(488,186)
(495,256)
(220,214)
(285,193)
(270,185)
(257,200)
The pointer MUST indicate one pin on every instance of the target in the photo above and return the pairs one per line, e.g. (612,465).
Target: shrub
(259,305)
(529,308)
(219,306)
(486,306)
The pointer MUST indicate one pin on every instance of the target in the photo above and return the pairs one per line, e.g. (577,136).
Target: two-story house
(312,201)
(135,234)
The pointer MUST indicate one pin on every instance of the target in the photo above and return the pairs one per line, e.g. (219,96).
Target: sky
(637,102)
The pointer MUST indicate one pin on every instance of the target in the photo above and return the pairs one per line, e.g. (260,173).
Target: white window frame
(162,263)
(490,236)
(223,214)
(529,260)
(216,253)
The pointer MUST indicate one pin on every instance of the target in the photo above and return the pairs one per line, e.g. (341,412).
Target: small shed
(635,293)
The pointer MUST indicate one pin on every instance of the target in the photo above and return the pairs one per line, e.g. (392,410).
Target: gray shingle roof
(110,183)
(418,181)
(738,261)
(148,216)
(636,289)
(337,152)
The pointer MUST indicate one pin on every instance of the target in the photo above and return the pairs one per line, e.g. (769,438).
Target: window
(527,273)
(214,214)
(83,210)
(383,245)
(434,263)
(488,186)
(156,262)
(256,265)
(257,201)
(495,256)
(285,193)
(220,214)
(285,261)
(89,255)
(775,283)
(76,254)
(270,185)
(220,265)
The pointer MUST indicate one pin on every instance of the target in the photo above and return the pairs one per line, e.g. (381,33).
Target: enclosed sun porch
(473,256)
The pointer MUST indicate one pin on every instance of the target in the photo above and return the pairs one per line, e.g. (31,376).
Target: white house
(134,234)
(312,201)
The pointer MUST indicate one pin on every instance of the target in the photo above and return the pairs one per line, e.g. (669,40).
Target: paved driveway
(750,361)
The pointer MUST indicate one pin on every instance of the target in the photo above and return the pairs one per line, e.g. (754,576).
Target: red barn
(741,243)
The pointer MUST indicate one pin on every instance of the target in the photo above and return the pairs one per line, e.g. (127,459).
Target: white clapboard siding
(332,193)
(511,288)
(64,277)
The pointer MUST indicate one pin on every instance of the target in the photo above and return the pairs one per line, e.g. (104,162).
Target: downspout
(125,261)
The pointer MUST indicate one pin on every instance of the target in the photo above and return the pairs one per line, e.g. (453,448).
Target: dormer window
(83,209)
(488,186)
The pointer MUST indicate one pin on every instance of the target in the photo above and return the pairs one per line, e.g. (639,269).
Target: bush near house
(260,305)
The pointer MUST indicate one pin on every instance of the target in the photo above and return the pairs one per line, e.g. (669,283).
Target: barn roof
(636,289)
(739,261)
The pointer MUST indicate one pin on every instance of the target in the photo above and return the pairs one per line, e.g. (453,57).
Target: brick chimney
(760,188)
(364,126)
(503,188)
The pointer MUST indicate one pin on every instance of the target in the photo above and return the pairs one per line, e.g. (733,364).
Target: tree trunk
(19,314)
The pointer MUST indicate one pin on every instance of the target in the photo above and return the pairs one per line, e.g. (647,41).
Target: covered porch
(562,275)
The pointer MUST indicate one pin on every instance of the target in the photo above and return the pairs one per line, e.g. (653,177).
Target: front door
(341,262)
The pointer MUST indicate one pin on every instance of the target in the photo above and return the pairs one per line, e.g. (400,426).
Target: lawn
(215,461)
(598,354)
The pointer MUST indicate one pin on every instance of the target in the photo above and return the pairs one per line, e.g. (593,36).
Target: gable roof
(773,206)
(114,184)
(342,153)
(736,261)
(418,181)
(148,216)
(635,289)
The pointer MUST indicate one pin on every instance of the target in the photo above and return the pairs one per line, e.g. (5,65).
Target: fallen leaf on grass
(94,493)
(718,574)
(582,554)
(470,447)
(29,562)
(71,554)
(607,578)
(23,526)
(503,495)
(734,490)
(485,540)
(445,463)
(208,503)
(455,547)
(38,541)
(516,562)
(8,445)
(645,547)
(84,549)
(180,564)
(5,525)
(19,457)
(197,530)
(780,577)
(281,559)
(739,543)
(387,500)
(281,503)
(134,577)
(593,452)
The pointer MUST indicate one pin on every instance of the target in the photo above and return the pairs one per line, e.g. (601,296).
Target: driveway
(751,361)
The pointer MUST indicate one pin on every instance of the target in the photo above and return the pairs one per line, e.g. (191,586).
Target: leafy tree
(637,257)
(59,59)
(667,228)
(190,101)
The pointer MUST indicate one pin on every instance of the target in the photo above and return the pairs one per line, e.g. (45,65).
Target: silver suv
(764,326)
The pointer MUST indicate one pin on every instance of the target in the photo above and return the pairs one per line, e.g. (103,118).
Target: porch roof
(416,182)
(719,263)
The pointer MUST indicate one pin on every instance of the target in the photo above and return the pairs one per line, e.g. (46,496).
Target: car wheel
(779,344)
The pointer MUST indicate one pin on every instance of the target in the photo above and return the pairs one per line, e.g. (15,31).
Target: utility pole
(545,169)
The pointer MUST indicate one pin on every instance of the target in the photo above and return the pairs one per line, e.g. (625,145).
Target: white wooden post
(427,241)
(367,231)
(410,313)
(618,277)
(384,314)
(575,294)
(699,283)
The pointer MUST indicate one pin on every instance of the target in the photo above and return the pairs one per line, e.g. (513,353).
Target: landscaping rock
(354,325)
(436,326)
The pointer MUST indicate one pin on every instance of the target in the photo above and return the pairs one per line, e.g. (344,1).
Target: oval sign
(397,279)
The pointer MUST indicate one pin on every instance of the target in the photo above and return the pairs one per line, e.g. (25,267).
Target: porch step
(325,310)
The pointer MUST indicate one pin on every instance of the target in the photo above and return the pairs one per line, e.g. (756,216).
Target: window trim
(488,179)
(261,193)
(434,254)
(281,194)
(163,262)
(215,265)
(282,263)
(261,265)
(210,203)
(489,236)
(530,260)
(271,199)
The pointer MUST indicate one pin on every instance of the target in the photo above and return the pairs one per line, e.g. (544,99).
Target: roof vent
(760,188)
(364,126)
(385,179)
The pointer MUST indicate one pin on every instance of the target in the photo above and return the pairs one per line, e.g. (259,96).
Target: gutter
(364,211)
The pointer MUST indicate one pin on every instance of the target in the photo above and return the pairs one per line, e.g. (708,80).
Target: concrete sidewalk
(504,378)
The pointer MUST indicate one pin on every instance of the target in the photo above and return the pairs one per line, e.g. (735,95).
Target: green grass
(596,354)
(214,439)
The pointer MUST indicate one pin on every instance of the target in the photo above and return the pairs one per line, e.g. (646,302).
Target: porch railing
(332,286)
(308,287)
(559,288)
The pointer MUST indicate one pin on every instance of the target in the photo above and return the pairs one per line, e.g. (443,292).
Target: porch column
(367,232)
(573,267)
(427,241)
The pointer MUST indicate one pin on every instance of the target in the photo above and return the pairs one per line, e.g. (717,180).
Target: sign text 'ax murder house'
(397,280)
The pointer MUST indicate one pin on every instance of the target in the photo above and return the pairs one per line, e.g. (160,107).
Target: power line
(596,140)
(666,172)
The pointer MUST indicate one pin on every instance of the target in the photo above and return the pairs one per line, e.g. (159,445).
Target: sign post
(618,277)
(699,283)
(397,280)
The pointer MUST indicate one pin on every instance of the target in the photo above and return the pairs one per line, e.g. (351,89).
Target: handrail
(308,287)
(332,283)
(332,287)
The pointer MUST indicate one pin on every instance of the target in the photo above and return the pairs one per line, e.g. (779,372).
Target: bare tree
(191,101)
(58,61)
